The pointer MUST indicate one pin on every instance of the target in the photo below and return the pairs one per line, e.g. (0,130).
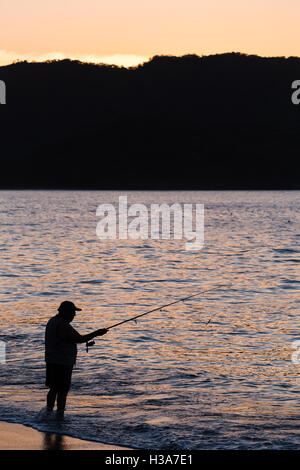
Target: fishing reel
(88,344)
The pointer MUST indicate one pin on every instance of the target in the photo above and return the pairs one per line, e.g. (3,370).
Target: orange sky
(130,31)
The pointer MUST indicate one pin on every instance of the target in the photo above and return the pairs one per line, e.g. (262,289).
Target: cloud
(126,60)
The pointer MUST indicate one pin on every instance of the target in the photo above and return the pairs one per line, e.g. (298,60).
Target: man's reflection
(53,441)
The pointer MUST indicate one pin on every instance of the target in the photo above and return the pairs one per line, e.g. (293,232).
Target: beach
(15,436)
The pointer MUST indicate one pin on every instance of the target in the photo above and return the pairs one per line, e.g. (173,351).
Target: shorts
(58,376)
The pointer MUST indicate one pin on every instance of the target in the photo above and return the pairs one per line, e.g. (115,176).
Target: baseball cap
(66,305)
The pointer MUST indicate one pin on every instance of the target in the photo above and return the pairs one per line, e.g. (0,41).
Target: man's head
(67,310)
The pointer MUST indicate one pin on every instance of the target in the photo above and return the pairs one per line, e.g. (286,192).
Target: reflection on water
(212,372)
(53,441)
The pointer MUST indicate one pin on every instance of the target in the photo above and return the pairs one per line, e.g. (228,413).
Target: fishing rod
(156,309)
(164,306)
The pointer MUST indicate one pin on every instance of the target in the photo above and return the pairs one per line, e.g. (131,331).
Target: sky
(128,32)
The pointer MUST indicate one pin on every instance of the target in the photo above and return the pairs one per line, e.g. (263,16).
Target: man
(60,354)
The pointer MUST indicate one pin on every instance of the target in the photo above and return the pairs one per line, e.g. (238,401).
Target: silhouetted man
(60,354)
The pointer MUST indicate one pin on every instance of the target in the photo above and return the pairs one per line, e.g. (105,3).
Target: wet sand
(18,437)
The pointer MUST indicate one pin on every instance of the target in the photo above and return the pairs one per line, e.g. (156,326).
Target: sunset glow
(128,33)
(125,60)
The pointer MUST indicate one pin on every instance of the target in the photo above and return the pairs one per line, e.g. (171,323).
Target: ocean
(219,371)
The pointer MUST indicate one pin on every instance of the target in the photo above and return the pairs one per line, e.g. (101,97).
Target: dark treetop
(216,122)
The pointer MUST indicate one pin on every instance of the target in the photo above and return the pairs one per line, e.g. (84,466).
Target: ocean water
(214,372)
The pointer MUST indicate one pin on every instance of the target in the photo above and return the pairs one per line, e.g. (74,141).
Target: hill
(214,122)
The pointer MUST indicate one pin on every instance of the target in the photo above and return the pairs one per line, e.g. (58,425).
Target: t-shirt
(58,348)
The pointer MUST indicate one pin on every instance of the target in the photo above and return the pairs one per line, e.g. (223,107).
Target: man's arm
(67,333)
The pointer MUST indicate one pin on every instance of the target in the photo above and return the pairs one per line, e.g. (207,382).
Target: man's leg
(61,403)
(51,396)
(66,374)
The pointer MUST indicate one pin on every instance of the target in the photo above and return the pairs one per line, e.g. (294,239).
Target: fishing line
(91,343)
(167,305)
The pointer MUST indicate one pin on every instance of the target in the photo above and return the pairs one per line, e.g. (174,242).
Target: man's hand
(102,332)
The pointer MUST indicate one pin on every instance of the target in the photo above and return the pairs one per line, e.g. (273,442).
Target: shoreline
(16,436)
